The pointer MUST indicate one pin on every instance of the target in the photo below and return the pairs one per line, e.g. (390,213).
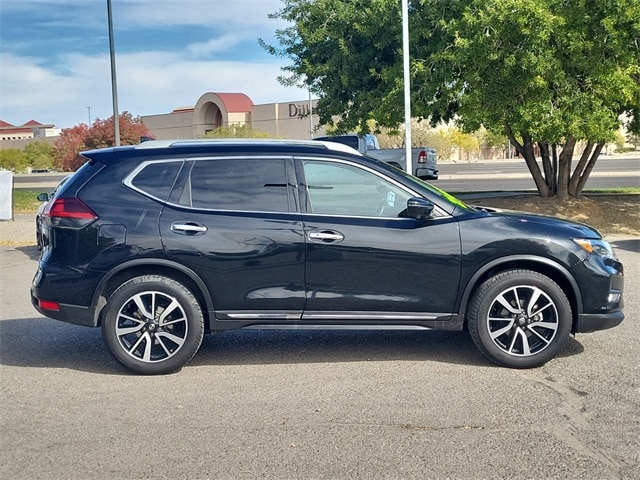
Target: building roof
(236,102)
(6,127)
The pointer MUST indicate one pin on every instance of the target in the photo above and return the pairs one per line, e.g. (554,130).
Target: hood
(574,229)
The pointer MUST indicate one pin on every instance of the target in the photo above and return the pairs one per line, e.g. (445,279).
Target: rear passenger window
(156,179)
(237,184)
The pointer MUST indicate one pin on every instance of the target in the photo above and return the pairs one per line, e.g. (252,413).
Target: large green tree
(556,73)
(39,154)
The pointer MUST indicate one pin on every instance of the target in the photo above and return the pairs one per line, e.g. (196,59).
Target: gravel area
(18,232)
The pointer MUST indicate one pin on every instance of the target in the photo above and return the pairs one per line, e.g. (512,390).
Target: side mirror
(419,208)
(43,197)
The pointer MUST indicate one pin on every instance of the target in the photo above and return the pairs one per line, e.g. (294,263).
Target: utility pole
(407,85)
(114,86)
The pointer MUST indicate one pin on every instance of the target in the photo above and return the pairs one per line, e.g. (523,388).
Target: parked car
(161,242)
(45,198)
(424,160)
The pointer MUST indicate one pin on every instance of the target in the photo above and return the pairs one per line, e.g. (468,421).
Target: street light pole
(114,86)
(407,84)
(89,110)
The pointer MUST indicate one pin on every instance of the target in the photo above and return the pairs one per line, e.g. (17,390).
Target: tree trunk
(555,167)
(587,171)
(564,169)
(549,171)
(578,171)
(526,150)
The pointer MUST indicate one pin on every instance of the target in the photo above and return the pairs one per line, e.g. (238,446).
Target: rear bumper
(75,314)
(427,173)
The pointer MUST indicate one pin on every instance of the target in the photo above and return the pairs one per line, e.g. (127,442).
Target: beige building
(213,110)
(12,136)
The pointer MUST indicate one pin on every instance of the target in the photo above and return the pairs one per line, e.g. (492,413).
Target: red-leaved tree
(66,149)
(74,140)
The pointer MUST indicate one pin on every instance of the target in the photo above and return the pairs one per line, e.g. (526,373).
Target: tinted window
(349,140)
(156,179)
(240,184)
(339,189)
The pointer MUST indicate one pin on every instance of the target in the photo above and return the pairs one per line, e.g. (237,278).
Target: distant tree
(100,135)
(235,131)
(68,147)
(39,155)
(13,159)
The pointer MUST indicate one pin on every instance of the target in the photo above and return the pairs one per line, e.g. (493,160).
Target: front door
(365,259)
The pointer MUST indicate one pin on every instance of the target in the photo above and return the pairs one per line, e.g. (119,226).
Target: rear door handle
(325,236)
(188,228)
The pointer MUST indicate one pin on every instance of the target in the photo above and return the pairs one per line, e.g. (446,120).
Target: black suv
(161,242)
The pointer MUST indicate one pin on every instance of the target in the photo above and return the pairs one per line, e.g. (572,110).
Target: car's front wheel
(519,318)
(153,324)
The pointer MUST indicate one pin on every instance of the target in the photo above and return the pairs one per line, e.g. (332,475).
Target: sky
(55,61)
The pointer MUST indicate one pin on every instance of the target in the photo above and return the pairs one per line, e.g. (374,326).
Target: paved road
(298,405)
(609,172)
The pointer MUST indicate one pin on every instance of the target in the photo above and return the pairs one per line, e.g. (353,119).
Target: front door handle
(325,236)
(188,228)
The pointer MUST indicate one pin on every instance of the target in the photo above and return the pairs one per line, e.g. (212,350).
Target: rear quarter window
(156,179)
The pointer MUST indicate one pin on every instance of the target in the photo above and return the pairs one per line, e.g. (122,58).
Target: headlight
(598,247)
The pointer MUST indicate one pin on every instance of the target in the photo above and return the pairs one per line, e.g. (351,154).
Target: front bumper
(592,322)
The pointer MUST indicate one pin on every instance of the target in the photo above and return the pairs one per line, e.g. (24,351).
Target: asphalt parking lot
(317,405)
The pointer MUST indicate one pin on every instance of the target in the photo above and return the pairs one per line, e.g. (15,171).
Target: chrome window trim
(128,181)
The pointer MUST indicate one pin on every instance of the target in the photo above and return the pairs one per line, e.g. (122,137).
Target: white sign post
(6,195)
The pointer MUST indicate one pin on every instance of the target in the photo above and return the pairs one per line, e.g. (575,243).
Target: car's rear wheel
(153,324)
(519,318)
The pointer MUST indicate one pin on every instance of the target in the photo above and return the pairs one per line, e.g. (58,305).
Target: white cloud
(149,83)
(55,82)
(219,44)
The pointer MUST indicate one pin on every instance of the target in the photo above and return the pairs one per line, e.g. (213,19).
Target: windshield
(432,188)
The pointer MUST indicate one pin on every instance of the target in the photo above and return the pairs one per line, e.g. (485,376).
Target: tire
(153,342)
(519,318)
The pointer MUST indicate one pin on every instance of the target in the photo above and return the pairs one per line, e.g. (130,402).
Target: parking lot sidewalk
(20,231)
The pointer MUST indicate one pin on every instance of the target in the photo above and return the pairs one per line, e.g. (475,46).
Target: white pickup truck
(425,163)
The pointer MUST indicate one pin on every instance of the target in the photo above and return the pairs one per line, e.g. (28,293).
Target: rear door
(233,221)
(365,259)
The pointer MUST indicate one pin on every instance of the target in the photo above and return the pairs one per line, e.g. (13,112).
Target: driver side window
(339,189)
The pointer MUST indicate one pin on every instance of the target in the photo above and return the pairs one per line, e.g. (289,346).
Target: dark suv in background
(161,242)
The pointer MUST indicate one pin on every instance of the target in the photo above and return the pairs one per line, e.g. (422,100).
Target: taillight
(422,157)
(68,212)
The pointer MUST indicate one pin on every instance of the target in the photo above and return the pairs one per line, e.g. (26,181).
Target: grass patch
(25,201)
(620,190)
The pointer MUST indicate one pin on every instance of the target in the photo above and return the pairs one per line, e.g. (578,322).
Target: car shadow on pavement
(631,245)
(284,346)
(30,251)
(45,343)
